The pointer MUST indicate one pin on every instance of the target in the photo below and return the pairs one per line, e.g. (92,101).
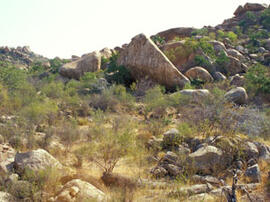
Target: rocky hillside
(183,115)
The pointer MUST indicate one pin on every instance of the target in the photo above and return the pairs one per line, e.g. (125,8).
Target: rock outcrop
(144,59)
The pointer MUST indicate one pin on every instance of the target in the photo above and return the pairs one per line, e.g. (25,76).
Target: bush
(118,74)
(109,144)
(249,19)
(258,79)
(265,19)
(158,40)
(200,32)
(202,61)
(221,61)
(38,112)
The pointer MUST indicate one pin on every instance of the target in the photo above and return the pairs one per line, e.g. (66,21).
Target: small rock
(196,93)
(237,80)
(35,160)
(159,172)
(206,160)
(6,197)
(253,173)
(78,190)
(219,76)
(237,95)
(199,73)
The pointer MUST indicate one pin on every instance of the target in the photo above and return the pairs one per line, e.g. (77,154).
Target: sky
(75,27)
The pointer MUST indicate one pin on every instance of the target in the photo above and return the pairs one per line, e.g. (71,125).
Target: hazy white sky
(66,27)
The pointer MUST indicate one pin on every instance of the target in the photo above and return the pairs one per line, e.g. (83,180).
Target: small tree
(109,144)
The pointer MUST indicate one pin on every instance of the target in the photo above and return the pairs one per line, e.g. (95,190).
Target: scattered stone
(253,174)
(264,151)
(219,76)
(171,138)
(7,154)
(218,46)
(172,169)
(237,95)
(6,197)
(35,160)
(196,93)
(193,190)
(78,190)
(267,44)
(143,58)
(206,179)
(201,197)
(236,54)
(159,172)
(237,80)
(250,150)
(207,160)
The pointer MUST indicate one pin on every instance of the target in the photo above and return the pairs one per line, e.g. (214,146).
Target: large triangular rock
(144,59)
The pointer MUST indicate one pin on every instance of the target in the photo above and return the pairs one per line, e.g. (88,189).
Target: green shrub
(258,79)
(56,63)
(201,61)
(13,78)
(37,112)
(200,32)
(232,36)
(221,61)
(109,144)
(158,40)
(53,90)
(249,19)
(265,19)
(118,74)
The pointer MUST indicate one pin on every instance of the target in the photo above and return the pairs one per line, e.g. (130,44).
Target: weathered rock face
(78,190)
(180,32)
(237,95)
(143,58)
(199,73)
(35,160)
(6,197)
(88,63)
(207,160)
